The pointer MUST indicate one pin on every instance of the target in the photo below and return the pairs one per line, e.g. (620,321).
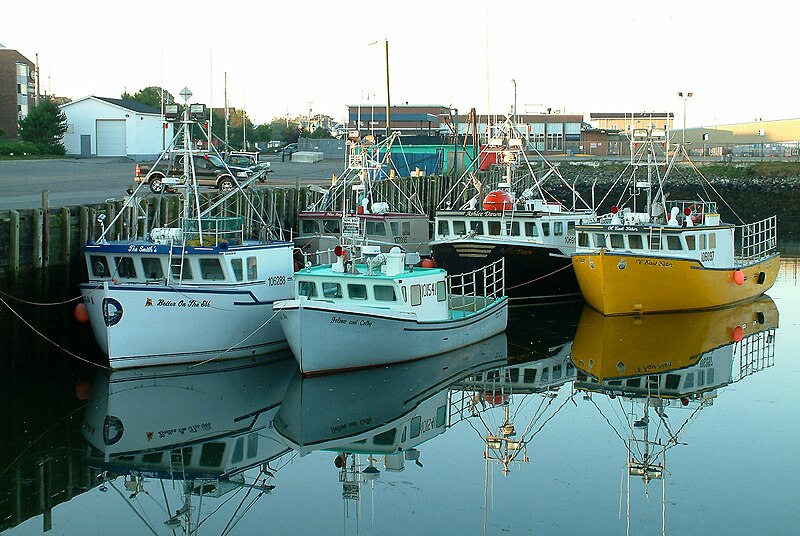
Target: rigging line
(228,527)
(624,442)
(21,454)
(135,511)
(678,431)
(570,397)
(42,335)
(714,189)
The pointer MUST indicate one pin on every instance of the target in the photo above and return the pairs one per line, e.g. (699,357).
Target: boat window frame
(379,296)
(252,268)
(204,273)
(358,296)
(124,266)
(327,285)
(416,295)
(371,226)
(237,269)
(306,227)
(441,291)
(476,226)
(558,228)
(514,228)
(459,227)
(304,285)
(102,260)
(635,238)
(184,271)
(443,227)
(617,241)
(331,226)
(531,225)
(674,243)
(493,227)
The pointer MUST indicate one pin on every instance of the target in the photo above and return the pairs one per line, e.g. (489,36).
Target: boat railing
(474,290)
(213,229)
(757,240)
(695,209)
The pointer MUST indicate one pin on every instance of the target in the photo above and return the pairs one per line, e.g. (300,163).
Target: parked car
(288,149)
(210,170)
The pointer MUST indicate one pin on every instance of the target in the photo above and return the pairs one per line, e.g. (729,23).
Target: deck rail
(757,240)
(474,290)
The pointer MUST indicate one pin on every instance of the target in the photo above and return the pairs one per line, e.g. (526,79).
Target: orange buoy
(83,389)
(429,263)
(738,333)
(738,277)
(498,200)
(81,314)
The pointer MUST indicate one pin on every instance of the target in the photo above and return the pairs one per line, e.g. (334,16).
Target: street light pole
(515,100)
(685,97)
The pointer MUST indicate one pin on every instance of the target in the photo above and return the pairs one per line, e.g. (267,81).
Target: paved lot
(74,181)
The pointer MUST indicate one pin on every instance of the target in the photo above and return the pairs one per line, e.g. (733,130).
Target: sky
(580,57)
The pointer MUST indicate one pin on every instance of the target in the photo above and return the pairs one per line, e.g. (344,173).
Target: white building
(99,126)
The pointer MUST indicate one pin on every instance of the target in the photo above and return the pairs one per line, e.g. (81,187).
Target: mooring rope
(540,277)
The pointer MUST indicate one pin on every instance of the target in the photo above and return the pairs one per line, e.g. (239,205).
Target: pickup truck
(209,170)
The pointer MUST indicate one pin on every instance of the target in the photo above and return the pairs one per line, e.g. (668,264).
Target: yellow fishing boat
(665,255)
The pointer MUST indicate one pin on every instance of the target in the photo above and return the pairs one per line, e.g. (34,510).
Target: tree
(321,133)
(151,96)
(45,125)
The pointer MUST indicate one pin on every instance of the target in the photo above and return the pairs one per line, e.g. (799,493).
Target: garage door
(111,137)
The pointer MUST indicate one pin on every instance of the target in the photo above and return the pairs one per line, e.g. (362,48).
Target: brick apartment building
(17,89)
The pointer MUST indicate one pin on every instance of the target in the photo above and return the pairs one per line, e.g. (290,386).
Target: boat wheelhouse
(518,221)
(199,290)
(384,310)
(367,201)
(670,255)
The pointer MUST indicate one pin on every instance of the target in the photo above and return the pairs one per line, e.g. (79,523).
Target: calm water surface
(509,436)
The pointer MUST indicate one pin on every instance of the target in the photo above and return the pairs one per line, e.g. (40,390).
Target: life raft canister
(498,200)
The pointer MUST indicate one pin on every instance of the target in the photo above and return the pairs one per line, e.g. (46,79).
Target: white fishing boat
(352,206)
(380,309)
(652,254)
(516,219)
(200,290)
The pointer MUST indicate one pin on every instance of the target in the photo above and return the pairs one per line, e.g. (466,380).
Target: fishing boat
(193,436)
(517,219)
(652,254)
(358,204)
(379,308)
(201,289)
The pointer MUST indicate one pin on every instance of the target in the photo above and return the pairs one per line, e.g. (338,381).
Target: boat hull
(532,273)
(325,337)
(143,325)
(621,283)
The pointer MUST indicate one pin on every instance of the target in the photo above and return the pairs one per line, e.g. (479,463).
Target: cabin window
(583,240)
(309,226)
(494,228)
(531,229)
(180,456)
(406,227)
(152,457)
(672,381)
(476,227)
(376,228)
(416,295)
(238,450)
(558,228)
(633,382)
(557,372)
(688,383)
(459,227)
(617,241)
(99,266)
(384,293)
(395,226)
(125,267)
(416,424)
(529,376)
(252,445)
(599,240)
(405,434)
(712,241)
(691,242)
(444,227)
(211,269)
(236,266)
(405,295)
(252,268)
(357,292)
(307,289)
(545,377)
(152,268)
(385,438)
(441,416)
(441,291)
(570,228)
(703,242)
(331,290)
(635,241)
(211,454)
(513,229)
(184,266)
(674,242)
(545,228)
(512,374)
(331,226)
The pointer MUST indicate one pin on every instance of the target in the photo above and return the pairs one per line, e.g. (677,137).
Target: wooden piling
(13,241)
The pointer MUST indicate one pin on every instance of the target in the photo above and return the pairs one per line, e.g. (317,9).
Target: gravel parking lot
(75,181)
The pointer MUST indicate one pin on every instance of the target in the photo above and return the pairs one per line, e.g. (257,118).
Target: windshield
(216,161)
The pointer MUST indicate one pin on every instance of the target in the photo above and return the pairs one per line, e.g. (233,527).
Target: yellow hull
(609,347)
(617,283)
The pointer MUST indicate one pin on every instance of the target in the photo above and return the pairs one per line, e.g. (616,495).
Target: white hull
(326,337)
(162,325)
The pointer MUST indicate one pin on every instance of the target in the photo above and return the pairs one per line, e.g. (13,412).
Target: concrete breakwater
(37,238)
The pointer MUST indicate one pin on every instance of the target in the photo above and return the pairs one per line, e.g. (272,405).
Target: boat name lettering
(623,228)
(569,239)
(366,421)
(707,256)
(653,262)
(482,214)
(183,303)
(192,429)
(666,365)
(142,249)
(356,322)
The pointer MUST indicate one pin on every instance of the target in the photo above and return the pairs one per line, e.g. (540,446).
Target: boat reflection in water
(380,414)
(668,362)
(203,425)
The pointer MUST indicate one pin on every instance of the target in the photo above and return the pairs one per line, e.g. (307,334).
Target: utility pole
(388,99)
